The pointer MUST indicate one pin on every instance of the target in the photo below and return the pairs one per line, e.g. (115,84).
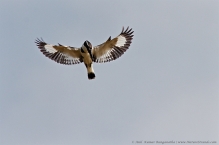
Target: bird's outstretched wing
(59,53)
(113,49)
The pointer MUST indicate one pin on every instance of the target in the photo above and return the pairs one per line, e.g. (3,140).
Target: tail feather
(91,75)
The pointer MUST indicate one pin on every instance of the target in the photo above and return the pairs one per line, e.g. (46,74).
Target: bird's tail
(90,72)
(91,75)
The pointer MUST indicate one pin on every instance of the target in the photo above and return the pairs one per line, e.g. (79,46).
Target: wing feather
(113,49)
(60,54)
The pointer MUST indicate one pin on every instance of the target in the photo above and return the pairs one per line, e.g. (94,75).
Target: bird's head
(87,47)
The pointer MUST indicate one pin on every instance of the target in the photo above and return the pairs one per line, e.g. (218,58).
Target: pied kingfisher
(105,52)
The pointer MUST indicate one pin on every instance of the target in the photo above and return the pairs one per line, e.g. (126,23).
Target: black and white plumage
(105,52)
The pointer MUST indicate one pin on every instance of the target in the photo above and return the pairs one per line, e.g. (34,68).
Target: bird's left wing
(59,53)
(113,49)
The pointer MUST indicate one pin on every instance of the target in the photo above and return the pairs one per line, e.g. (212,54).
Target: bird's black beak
(89,51)
(89,47)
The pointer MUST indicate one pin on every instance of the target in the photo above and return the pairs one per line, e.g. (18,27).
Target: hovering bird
(105,52)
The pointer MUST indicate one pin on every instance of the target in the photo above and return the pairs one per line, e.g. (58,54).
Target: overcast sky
(164,88)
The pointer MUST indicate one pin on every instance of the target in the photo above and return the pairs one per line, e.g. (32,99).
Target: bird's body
(105,52)
(88,59)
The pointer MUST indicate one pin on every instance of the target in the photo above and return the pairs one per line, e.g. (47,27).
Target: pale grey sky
(165,87)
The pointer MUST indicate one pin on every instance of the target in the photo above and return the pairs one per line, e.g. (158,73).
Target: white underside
(87,60)
(90,69)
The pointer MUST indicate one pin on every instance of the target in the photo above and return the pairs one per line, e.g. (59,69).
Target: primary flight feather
(105,52)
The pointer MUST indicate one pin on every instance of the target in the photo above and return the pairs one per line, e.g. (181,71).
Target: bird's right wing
(59,53)
(113,49)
